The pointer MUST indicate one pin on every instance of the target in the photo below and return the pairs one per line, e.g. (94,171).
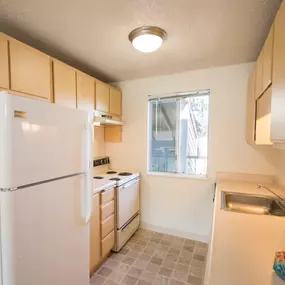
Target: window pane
(193,136)
(179,134)
(163,135)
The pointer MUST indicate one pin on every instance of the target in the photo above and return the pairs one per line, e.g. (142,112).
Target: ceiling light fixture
(147,38)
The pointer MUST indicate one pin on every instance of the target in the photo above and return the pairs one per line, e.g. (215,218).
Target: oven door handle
(130,183)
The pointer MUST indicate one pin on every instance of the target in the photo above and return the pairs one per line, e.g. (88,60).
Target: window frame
(149,135)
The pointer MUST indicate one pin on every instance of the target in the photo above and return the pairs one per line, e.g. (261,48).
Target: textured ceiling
(92,35)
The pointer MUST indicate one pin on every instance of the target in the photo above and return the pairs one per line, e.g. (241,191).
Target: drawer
(108,225)
(108,243)
(124,234)
(108,196)
(107,209)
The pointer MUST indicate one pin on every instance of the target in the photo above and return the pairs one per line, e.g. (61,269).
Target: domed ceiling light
(147,38)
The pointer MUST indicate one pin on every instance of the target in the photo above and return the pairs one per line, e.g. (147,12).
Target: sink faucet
(281,200)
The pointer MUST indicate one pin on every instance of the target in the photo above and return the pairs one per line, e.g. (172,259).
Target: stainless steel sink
(251,204)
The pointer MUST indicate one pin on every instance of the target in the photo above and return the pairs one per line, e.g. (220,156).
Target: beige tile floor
(151,258)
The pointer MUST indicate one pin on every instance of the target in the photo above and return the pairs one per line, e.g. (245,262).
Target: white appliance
(102,118)
(127,199)
(45,193)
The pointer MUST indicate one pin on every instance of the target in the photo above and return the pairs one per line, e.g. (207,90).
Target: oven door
(128,201)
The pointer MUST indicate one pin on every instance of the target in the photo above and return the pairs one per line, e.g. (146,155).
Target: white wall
(279,157)
(183,206)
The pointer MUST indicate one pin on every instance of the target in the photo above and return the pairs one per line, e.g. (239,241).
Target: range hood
(101,118)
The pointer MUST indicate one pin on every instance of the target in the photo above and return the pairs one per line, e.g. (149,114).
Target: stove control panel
(101,161)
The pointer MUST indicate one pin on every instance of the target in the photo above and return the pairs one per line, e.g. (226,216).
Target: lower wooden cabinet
(102,227)
(95,237)
(107,209)
(107,225)
(108,243)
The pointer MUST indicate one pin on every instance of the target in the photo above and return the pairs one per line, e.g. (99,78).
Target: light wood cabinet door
(263,118)
(259,75)
(251,110)
(4,62)
(30,70)
(107,209)
(64,81)
(95,235)
(113,134)
(278,73)
(107,226)
(115,101)
(267,60)
(107,196)
(102,97)
(85,91)
(108,243)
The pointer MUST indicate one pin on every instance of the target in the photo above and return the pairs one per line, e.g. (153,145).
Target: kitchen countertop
(242,245)
(102,184)
(247,187)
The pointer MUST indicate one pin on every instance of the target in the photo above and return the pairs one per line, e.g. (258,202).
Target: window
(178,133)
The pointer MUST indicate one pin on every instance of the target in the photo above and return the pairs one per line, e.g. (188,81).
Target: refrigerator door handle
(88,191)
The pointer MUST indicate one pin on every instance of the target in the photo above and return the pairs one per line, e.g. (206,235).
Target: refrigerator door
(40,141)
(44,237)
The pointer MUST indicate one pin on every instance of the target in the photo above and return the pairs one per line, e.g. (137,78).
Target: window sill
(178,175)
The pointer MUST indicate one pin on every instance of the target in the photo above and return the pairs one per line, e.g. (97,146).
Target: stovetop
(121,177)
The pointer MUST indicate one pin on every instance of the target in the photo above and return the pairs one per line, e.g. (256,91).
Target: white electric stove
(127,198)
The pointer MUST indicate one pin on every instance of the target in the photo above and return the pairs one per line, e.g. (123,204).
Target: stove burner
(98,177)
(125,174)
(115,179)
(111,172)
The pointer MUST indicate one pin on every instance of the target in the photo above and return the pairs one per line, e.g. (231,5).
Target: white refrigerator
(45,193)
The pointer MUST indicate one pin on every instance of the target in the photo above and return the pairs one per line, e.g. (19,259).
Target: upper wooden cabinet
(259,75)
(30,70)
(85,91)
(267,60)
(251,110)
(102,96)
(278,74)
(115,101)
(27,72)
(263,118)
(64,80)
(4,62)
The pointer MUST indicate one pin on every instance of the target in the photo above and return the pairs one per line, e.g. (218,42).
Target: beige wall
(280,164)
(99,144)
(179,205)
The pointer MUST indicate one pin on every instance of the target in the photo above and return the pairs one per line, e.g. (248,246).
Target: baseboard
(174,232)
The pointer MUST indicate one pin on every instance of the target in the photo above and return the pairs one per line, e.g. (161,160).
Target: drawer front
(108,243)
(107,210)
(125,234)
(108,196)
(108,225)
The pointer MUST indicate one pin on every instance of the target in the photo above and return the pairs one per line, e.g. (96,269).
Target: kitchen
(173,210)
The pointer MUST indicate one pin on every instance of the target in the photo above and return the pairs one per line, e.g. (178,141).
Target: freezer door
(40,141)
(44,236)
